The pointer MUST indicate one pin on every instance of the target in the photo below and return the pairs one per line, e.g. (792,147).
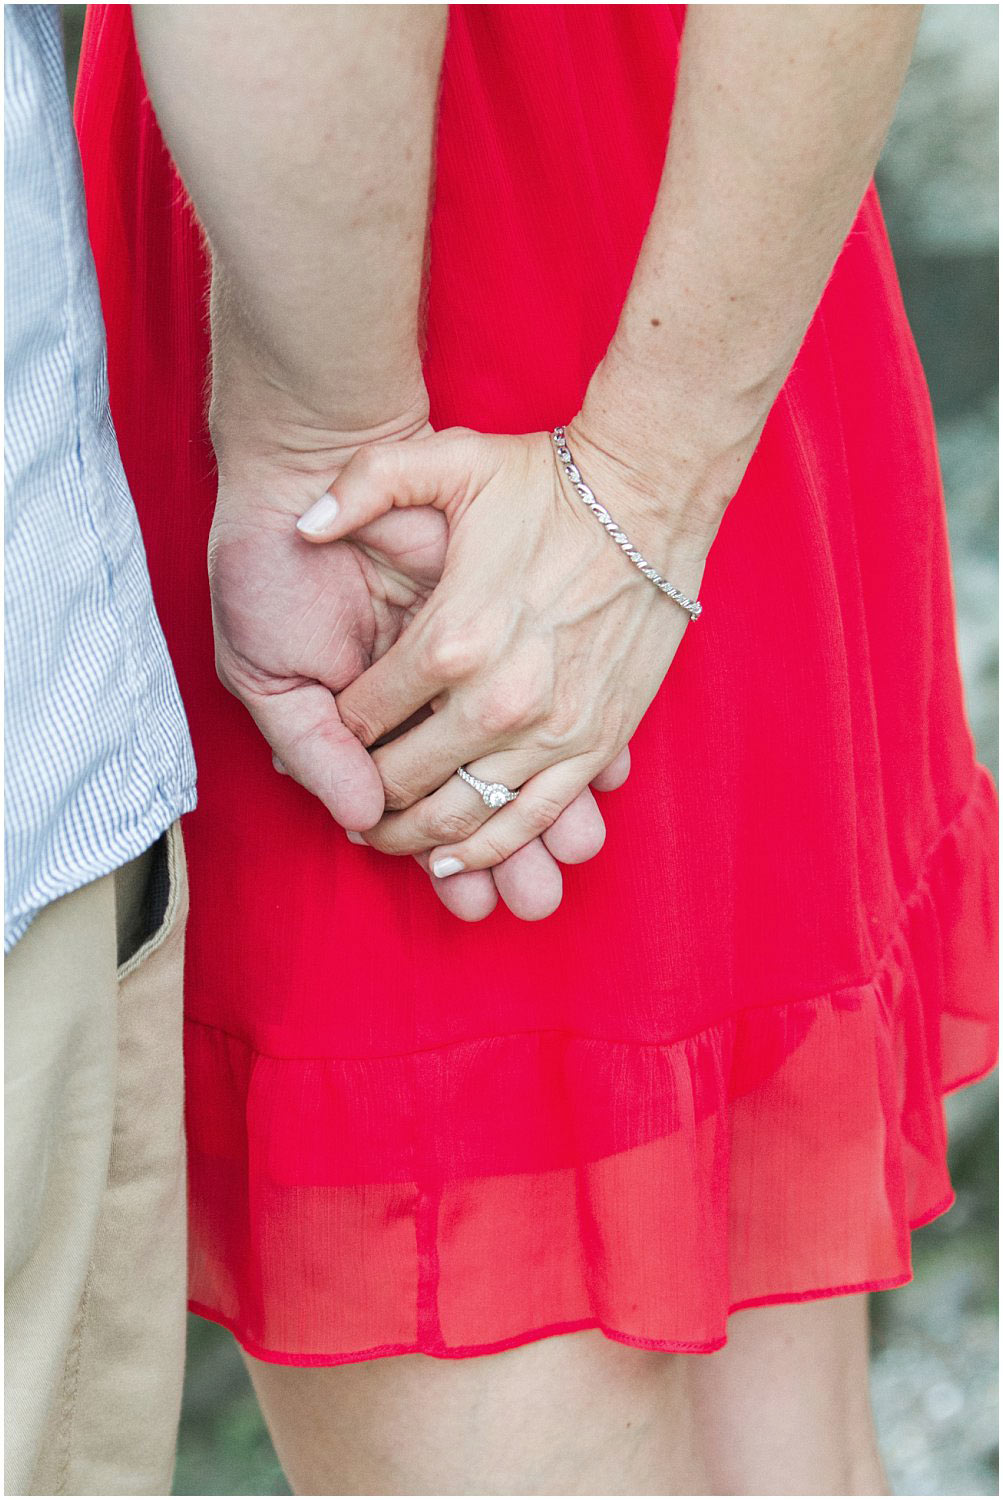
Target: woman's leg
(571,1415)
(783,1409)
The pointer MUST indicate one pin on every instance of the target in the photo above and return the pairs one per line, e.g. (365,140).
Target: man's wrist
(302,442)
(258,402)
(255,424)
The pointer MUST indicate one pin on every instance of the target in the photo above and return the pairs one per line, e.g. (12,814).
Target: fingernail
(443,867)
(319,517)
(353,837)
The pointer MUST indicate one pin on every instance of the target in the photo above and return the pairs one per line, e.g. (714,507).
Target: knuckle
(452,654)
(393,834)
(452,824)
(369,462)
(381,839)
(492,848)
(508,706)
(396,793)
(354,720)
(394,841)
(561,730)
(497,714)
(542,813)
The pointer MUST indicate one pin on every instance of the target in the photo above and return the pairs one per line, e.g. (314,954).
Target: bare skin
(781,1409)
(316,355)
(779,117)
(783,110)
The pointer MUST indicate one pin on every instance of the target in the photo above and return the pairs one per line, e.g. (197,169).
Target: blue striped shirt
(98,759)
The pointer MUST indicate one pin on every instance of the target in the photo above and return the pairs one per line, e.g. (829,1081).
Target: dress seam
(550,1330)
(853,987)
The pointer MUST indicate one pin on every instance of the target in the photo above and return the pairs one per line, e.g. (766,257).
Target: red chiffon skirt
(714,1077)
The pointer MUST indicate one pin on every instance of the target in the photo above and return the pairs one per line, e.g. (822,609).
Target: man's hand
(294,625)
(304,135)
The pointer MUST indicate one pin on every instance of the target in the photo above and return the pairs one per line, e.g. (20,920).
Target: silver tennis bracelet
(693,607)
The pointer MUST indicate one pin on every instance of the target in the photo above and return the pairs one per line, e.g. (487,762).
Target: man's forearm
(779,118)
(304,136)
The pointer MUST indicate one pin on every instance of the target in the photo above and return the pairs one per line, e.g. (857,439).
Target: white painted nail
(319,517)
(444,867)
(353,837)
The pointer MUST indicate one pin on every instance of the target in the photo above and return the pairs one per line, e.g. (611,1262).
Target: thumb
(422,471)
(311,744)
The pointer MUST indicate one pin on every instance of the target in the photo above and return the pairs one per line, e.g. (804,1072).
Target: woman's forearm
(779,117)
(304,135)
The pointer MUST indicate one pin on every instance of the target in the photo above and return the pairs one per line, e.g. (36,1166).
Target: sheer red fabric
(714,1078)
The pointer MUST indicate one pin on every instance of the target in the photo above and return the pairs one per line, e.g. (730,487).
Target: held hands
(538,651)
(295,625)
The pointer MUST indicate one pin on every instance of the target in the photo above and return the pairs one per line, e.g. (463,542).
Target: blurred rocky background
(934,1370)
(935,1354)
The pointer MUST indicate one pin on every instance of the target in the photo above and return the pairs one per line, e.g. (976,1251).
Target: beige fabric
(95,1200)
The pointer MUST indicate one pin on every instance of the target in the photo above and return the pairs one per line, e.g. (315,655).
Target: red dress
(714,1077)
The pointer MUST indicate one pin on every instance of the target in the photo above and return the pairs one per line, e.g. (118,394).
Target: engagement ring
(494,793)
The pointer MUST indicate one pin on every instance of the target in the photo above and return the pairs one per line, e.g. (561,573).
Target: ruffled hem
(647,1191)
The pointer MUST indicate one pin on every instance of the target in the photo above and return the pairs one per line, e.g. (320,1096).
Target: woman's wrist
(678,466)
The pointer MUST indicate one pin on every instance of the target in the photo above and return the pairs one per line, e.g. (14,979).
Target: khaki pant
(95,1197)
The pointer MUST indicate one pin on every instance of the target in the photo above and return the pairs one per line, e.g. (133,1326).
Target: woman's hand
(539,651)
(293,625)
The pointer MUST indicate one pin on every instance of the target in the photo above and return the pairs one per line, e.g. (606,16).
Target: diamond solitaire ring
(493,793)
